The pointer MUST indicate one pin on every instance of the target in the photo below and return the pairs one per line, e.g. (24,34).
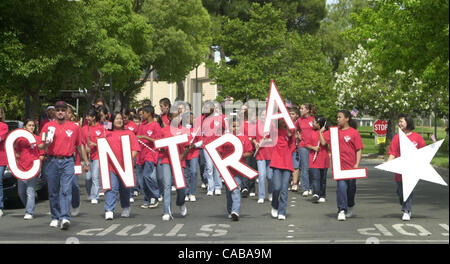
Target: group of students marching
(281,157)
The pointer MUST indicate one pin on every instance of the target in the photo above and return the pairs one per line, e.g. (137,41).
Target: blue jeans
(75,192)
(93,185)
(280,190)
(265,172)
(190,172)
(27,194)
(2,171)
(202,165)
(165,177)
(60,178)
(234,197)
(138,172)
(319,181)
(151,188)
(407,205)
(212,174)
(304,168)
(296,159)
(345,192)
(117,187)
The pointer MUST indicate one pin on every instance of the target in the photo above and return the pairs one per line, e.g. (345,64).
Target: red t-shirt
(265,151)
(282,151)
(132,127)
(28,152)
(164,155)
(349,143)
(306,128)
(94,133)
(323,158)
(115,142)
(165,120)
(153,131)
(3,133)
(394,149)
(227,149)
(67,137)
(194,152)
(212,128)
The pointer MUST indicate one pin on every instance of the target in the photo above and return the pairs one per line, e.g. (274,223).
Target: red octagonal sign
(380,127)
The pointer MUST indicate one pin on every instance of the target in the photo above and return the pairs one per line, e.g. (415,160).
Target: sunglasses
(60,109)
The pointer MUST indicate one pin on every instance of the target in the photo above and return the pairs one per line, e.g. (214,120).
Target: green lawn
(441,159)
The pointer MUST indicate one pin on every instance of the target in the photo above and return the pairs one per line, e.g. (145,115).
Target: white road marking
(445,226)
(175,230)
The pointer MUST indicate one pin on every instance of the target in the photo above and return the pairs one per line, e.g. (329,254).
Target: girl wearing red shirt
(282,169)
(3,160)
(319,161)
(165,105)
(26,154)
(117,187)
(350,147)
(304,125)
(406,124)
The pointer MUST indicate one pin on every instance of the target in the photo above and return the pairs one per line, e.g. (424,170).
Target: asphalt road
(377,219)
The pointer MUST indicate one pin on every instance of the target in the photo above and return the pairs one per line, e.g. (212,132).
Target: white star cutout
(414,164)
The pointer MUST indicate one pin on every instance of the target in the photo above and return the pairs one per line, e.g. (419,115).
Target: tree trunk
(35,104)
(180,91)
(118,100)
(391,127)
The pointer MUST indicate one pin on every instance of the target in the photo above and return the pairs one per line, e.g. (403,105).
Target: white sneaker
(349,212)
(315,198)
(135,193)
(274,213)
(154,204)
(229,216)
(281,217)
(294,188)
(75,211)
(186,198)
(1,212)
(183,210)
(406,216)
(270,197)
(54,223)
(235,216)
(144,206)
(166,217)
(210,193)
(160,199)
(260,201)
(94,201)
(305,194)
(101,194)
(131,200)
(65,224)
(109,215)
(322,200)
(203,186)
(252,194)
(28,216)
(218,192)
(125,212)
(310,192)
(192,198)
(341,216)
(173,188)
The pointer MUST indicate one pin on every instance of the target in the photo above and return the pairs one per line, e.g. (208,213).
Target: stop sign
(380,127)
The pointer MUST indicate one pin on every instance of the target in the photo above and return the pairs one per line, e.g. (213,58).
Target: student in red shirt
(282,168)
(406,124)
(319,161)
(295,113)
(165,105)
(234,197)
(165,175)
(26,153)
(149,130)
(92,131)
(3,160)
(350,147)
(304,125)
(128,123)
(60,168)
(113,137)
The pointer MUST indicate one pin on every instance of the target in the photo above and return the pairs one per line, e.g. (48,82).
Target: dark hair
(149,109)
(322,121)
(409,121)
(93,112)
(126,111)
(147,102)
(312,108)
(165,101)
(351,122)
(113,117)
(294,109)
(104,110)
(159,120)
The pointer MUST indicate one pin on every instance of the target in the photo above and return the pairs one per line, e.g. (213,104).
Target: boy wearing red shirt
(60,169)
(3,160)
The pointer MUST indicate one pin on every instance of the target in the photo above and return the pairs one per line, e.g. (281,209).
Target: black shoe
(244,193)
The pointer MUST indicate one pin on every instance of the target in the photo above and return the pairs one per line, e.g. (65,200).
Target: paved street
(376,219)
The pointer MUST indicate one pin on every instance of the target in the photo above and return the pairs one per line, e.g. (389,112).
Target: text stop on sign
(380,127)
